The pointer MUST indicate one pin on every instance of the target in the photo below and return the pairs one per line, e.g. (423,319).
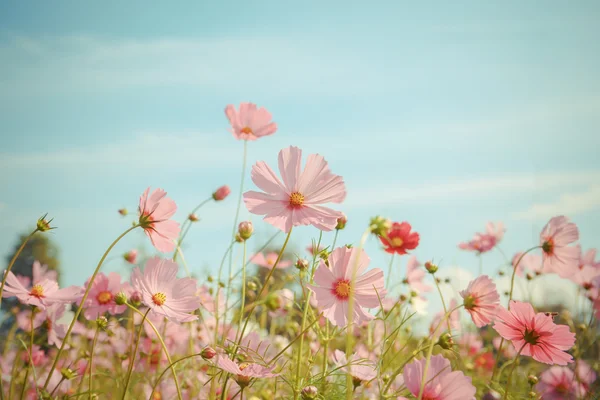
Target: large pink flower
(155,211)
(269,260)
(296,201)
(441,382)
(481,300)
(555,238)
(333,286)
(164,293)
(250,122)
(101,298)
(42,294)
(559,383)
(536,334)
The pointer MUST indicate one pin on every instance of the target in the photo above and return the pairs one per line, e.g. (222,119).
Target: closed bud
(533,395)
(341,222)
(68,373)
(131,256)
(385,378)
(102,322)
(309,393)
(123,211)
(446,280)
(245,229)
(221,193)
(501,273)
(208,353)
(532,379)
(210,278)
(431,267)
(252,285)
(582,327)
(120,298)
(193,218)
(302,264)
(379,225)
(491,395)
(135,299)
(445,341)
(273,302)
(529,276)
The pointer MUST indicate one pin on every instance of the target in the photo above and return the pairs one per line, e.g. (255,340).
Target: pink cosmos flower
(269,260)
(529,262)
(559,383)
(536,335)
(42,294)
(250,122)
(155,211)
(481,300)
(164,293)
(296,201)
(244,372)
(470,343)
(399,238)
(360,369)
(484,242)
(454,319)
(333,286)
(586,374)
(441,382)
(415,276)
(101,298)
(555,238)
(56,330)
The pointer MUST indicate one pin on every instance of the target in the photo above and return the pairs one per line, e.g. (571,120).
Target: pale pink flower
(42,294)
(536,335)
(296,201)
(155,210)
(334,285)
(221,193)
(529,262)
(268,260)
(360,369)
(586,374)
(56,330)
(470,343)
(415,276)
(244,372)
(481,300)
(559,383)
(250,122)
(508,350)
(441,382)
(164,293)
(555,238)
(484,242)
(101,298)
(454,318)
(314,250)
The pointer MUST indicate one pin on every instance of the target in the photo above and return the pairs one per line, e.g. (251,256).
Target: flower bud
(446,280)
(131,256)
(533,395)
(193,218)
(68,373)
(445,341)
(532,379)
(245,229)
(501,273)
(102,322)
(273,302)
(135,299)
(123,211)
(431,267)
(43,224)
(379,225)
(302,264)
(208,353)
(210,278)
(238,238)
(341,222)
(221,193)
(528,276)
(491,395)
(251,285)
(309,393)
(120,298)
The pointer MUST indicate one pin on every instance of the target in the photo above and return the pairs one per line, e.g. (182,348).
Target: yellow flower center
(37,291)
(397,242)
(341,289)
(247,130)
(157,396)
(296,199)
(159,298)
(104,297)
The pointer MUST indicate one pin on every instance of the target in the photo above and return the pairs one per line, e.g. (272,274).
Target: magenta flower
(481,300)
(559,383)
(555,238)
(298,200)
(269,260)
(164,293)
(333,286)
(441,382)
(101,298)
(536,334)
(42,294)
(250,122)
(155,211)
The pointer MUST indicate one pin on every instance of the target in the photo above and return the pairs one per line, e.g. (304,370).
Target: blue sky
(445,115)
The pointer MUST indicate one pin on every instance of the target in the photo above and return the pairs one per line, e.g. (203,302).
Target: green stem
(243,299)
(12,262)
(437,285)
(135,350)
(185,228)
(512,370)
(480,264)
(90,382)
(401,367)
(387,284)
(82,303)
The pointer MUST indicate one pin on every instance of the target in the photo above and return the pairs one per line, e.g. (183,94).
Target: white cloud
(571,204)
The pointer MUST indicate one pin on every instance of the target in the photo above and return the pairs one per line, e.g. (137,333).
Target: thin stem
(243,299)
(12,262)
(510,374)
(30,353)
(90,382)
(437,285)
(335,237)
(82,303)
(135,350)
(480,264)
(185,228)
(387,284)
(401,367)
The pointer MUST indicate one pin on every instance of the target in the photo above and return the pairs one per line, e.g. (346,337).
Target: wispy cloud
(571,204)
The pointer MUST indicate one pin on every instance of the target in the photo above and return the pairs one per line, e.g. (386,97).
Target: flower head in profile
(298,199)
(399,238)
(43,293)
(535,334)
(101,298)
(481,300)
(268,260)
(250,122)
(346,277)
(361,370)
(164,293)
(486,241)
(155,210)
(555,238)
(244,372)
(559,383)
(441,382)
